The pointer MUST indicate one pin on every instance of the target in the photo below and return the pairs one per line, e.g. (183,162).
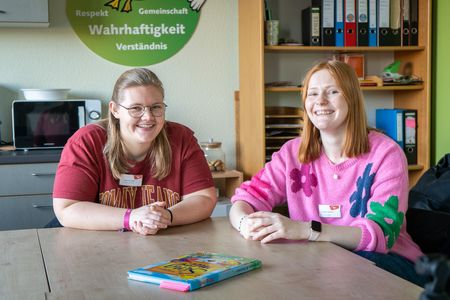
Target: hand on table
(268,226)
(150,218)
(244,229)
(138,227)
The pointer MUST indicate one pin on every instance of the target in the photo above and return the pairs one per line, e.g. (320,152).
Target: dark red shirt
(84,174)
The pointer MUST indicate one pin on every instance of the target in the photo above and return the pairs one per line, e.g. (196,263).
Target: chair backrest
(428,216)
(430,230)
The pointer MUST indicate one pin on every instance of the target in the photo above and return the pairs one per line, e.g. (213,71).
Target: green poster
(134,32)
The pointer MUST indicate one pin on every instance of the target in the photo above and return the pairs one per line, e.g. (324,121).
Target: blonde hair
(356,136)
(114,150)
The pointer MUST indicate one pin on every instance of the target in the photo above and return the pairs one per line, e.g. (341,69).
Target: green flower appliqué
(388,217)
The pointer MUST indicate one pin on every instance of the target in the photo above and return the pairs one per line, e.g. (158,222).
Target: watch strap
(315,230)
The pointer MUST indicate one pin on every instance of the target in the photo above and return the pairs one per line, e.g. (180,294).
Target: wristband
(240,222)
(171,215)
(126,219)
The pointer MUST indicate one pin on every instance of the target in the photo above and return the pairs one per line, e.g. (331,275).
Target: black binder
(389,25)
(410,135)
(414,22)
(316,22)
(311,24)
(306,26)
(363,23)
(328,27)
(405,26)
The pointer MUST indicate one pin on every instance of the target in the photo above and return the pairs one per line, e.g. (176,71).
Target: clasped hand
(149,219)
(268,226)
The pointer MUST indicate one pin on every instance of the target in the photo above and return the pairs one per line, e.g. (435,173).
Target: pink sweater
(369,191)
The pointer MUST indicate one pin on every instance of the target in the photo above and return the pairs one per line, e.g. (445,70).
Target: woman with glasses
(134,170)
(342,182)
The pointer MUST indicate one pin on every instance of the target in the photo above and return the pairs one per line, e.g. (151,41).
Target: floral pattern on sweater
(361,196)
(389,218)
(297,177)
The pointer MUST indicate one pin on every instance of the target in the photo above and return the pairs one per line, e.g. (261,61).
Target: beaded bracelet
(240,222)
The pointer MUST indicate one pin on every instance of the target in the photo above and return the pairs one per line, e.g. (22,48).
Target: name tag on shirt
(329,211)
(130,180)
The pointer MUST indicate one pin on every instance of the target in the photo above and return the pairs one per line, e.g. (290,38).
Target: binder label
(406,10)
(399,127)
(373,14)
(328,14)
(315,22)
(362,11)
(350,11)
(395,14)
(410,130)
(339,11)
(384,13)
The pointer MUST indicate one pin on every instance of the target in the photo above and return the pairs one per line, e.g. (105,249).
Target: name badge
(329,211)
(130,180)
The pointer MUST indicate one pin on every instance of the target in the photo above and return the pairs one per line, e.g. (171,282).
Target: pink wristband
(126,219)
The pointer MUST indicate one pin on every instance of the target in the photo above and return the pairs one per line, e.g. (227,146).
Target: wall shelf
(227,181)
(290,89)
(340,49)
(259,64)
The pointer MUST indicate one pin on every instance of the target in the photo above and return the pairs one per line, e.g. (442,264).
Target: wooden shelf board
(281,137)
(393,87)
(283,89)
(415,168)
(284,126)
(283,116)
(340,49)
(280,89)
(226,174)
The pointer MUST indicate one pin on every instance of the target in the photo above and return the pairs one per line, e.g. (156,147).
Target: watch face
(316,226)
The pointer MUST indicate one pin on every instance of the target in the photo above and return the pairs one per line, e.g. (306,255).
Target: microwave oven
(45,124)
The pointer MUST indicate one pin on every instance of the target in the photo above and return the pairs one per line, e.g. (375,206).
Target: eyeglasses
(137,110)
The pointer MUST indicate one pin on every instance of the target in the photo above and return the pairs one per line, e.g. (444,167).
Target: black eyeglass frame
(150,107)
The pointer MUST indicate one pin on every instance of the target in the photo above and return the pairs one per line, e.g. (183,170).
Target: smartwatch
(315,230)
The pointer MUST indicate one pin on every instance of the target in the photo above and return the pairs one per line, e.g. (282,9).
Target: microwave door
(46,124)
(81,116)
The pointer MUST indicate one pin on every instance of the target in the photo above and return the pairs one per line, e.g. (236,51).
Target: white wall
(199,80)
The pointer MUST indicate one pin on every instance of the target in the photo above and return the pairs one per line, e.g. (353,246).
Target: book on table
(193,271)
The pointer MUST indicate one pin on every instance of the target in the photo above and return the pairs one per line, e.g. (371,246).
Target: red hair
(356,137)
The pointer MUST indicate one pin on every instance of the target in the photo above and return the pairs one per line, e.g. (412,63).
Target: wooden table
(22,273)
(93,265)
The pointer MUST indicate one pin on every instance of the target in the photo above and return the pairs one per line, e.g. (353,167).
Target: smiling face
(138,133)
(325,104)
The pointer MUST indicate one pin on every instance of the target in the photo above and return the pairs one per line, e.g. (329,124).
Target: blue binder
(373,29)
(339,17)
(401,126)
(390,121)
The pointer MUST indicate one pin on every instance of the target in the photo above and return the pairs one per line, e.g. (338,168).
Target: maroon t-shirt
(84,174)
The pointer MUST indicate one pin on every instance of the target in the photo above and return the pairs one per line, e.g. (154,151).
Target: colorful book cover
(193,271)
